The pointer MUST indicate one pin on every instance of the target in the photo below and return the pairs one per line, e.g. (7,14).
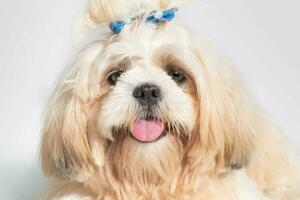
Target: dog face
(149,101)
(147,108)
(152,83)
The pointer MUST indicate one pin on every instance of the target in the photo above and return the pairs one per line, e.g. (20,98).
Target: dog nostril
(137,93)
(156,92)
(147,94)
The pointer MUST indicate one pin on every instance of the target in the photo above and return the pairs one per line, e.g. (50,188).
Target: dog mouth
(147,130)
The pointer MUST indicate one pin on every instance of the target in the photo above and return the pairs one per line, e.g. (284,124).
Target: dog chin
(133,159)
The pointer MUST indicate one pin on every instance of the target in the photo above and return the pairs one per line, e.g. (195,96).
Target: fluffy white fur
(219,143)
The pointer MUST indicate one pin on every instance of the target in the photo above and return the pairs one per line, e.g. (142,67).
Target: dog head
(148,100)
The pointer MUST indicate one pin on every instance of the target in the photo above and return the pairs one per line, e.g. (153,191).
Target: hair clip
(117,26)
(160,17)
(156,17)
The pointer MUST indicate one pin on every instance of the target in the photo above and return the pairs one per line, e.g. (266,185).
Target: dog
(147,110)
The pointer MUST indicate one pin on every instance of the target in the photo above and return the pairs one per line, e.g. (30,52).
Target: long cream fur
(226,147)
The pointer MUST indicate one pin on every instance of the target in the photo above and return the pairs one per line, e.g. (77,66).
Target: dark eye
(113,77)
(177,76)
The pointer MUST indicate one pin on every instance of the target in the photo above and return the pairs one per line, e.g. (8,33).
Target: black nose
(147,94)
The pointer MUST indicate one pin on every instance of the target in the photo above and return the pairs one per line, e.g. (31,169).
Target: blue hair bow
(156,17)
(117,26)
(160,17)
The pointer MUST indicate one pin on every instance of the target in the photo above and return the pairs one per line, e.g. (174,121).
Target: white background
(261,37)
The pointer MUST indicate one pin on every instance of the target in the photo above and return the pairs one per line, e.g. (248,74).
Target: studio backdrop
(260,36)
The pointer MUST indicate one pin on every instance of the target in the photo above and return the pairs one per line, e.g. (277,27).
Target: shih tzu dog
(147,110)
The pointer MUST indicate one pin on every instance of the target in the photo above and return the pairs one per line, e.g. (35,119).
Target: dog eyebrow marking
(169,55)
(171,60)
(166,58)
(122,63)
(118,63)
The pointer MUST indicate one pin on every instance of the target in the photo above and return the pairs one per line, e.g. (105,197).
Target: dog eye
(177,76)
(113,77)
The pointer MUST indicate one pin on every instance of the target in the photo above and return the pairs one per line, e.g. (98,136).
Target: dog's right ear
(65,149)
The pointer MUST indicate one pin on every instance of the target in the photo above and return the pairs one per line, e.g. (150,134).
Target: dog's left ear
(228,119)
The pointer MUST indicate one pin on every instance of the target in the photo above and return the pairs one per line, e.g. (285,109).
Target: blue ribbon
(160,17)
(156,17)
(117,26)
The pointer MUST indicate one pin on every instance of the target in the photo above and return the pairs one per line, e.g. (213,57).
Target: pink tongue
(146,131)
